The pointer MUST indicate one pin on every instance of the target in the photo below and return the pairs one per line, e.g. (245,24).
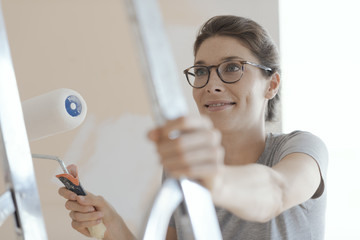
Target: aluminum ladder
(193,202)
(21,197)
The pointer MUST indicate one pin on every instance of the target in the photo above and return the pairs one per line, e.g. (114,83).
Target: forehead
(215,49)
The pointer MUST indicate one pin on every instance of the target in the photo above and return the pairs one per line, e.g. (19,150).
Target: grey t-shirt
(302,222)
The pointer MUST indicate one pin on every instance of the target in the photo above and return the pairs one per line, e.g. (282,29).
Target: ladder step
(7,207)
(201,211)
(165,203)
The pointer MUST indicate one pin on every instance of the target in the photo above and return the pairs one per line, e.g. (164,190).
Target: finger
(208,177)
(75,206)
(92,200)
(82,227)
(85,217)
(73,170)
(154,135)
(205,172)
(83,230)
(184,124)
(185,162)
(88,200)
(67,193)
(188,142)
(200,173)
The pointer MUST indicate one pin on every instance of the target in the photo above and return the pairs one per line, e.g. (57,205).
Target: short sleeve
(308,143)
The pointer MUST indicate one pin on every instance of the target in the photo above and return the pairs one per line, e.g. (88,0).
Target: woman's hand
(90,210)
(190,147)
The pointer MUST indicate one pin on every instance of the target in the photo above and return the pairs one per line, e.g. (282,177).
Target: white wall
(320,43)
(87,45)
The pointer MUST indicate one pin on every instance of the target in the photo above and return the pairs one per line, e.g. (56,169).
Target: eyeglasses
(229,71)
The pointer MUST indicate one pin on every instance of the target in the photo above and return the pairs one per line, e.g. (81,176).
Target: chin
(219,122)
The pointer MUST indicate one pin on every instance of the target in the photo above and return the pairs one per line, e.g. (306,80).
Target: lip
(219,105)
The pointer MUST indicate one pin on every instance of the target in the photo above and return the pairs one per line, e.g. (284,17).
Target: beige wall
(86,45)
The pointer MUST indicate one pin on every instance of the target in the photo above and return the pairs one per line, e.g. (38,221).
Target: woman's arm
(258,193)
(192,148)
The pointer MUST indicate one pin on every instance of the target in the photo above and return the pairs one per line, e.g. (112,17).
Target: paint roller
(52,113)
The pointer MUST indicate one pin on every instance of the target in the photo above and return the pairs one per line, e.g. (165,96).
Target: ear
(274,86)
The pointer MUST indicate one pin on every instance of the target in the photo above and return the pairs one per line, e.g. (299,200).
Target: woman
(265,186)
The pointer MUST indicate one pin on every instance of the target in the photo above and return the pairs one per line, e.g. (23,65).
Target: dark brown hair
(254,37)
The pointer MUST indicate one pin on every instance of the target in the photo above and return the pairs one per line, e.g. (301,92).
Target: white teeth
(217,105)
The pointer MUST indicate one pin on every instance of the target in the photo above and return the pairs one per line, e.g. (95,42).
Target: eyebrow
(201,62)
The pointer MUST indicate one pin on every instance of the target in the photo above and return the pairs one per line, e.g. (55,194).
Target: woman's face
(237,105)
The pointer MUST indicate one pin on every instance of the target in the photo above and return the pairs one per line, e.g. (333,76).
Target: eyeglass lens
(229,72)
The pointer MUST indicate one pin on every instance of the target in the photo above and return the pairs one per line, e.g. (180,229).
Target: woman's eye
(232,67)
(200,72)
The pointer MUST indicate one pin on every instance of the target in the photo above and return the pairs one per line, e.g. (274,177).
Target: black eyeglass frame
(186,71)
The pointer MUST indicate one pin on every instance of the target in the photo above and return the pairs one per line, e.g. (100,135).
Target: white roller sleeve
(54,112)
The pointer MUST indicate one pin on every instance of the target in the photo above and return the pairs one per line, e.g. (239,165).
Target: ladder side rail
(7,206)
(15,149)
(168,102)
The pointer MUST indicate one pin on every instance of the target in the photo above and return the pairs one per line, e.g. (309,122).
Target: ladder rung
(165,203)
(6,206)
(201,211)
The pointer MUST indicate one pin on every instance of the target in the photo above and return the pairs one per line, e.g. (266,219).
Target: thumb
(73,170)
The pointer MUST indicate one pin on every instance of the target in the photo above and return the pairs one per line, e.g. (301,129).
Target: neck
(243,146)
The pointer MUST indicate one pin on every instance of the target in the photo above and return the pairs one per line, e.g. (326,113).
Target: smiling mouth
(213,105)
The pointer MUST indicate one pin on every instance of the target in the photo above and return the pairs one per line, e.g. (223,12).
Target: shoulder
(295,135)
(297,140)
(304,142)
(279,146)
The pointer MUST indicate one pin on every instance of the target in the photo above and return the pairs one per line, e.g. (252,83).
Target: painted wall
(87,45)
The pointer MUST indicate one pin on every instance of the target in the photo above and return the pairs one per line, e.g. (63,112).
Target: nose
(215,85)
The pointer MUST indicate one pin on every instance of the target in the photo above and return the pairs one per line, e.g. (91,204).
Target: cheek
(247,93)
(197,96)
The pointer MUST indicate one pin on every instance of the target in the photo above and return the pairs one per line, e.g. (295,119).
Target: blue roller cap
(73,105)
